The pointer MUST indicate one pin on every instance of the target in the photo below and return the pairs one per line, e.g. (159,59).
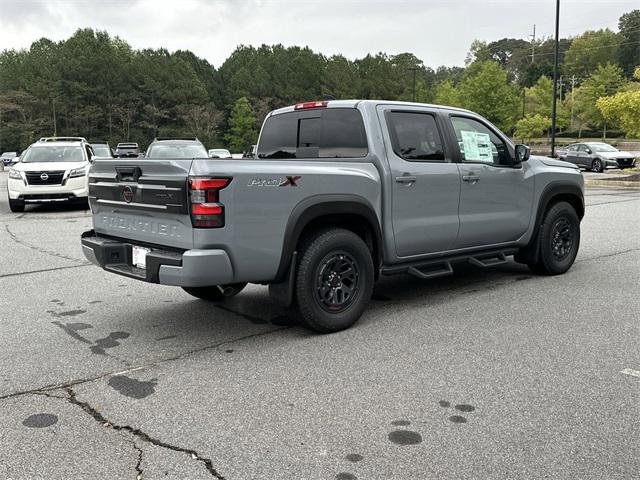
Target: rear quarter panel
(259,201)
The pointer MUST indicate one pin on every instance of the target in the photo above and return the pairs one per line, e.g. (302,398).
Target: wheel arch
(553,193)
(560,192)
(351,212)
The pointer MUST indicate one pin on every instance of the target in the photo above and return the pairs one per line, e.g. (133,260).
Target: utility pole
(533,44)
(555,83)
(524,98)
(573,85)
(560,87)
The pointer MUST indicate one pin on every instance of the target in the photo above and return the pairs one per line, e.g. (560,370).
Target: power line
(594,48)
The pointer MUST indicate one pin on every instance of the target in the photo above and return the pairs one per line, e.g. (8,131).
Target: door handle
(471,178)
(406,179)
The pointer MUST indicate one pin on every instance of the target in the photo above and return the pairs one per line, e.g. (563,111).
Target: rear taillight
(206,209)
(303,105)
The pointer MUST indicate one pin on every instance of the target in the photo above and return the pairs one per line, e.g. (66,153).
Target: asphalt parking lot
(485,374)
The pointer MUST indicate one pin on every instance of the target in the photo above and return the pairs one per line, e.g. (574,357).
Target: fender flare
(318,206)
(554,189)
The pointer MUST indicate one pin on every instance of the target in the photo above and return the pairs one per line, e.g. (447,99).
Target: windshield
(177,151)
(101,151)
(602,147)
(54,154)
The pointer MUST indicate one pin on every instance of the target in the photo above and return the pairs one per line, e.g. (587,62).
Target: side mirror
(588,150)
(522,153)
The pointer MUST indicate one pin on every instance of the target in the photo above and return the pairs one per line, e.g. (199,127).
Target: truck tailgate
(142,200)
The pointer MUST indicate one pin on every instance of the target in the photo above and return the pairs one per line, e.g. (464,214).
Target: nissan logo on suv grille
(44,176)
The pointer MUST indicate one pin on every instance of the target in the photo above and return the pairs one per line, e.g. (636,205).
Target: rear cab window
(314,133)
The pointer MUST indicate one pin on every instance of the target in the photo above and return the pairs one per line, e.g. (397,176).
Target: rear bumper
(190,268)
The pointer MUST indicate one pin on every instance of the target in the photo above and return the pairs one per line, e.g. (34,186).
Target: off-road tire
(16,207)
(216,293)
(554,256)
(317,253)
(597,166)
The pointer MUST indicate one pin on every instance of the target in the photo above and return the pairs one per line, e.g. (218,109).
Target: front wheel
(334,280)
(215,293)
(559,240)
(597,166)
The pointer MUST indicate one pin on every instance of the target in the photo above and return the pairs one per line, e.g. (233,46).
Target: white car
(53,169)
(219,153)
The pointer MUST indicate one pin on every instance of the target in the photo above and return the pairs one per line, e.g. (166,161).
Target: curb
(611,183)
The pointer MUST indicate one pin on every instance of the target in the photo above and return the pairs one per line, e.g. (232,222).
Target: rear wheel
(559,240)
(597,166)
(334,280)
(16,206)
(216,293)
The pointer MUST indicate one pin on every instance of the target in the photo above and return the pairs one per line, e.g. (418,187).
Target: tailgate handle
(128,174)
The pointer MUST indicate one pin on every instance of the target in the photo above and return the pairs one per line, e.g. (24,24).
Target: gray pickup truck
(340,193)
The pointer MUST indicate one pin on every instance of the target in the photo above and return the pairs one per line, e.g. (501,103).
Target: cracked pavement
(486,374)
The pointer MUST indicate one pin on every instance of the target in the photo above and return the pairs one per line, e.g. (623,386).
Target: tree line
(98,86)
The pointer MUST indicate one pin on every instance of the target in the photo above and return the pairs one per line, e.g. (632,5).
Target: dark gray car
(127,150)
(597,156)
(102,149)
(176,148)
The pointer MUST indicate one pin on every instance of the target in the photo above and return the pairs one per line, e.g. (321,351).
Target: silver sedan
(597,156)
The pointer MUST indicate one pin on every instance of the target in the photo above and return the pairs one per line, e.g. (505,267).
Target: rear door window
(326,133)
(415,136)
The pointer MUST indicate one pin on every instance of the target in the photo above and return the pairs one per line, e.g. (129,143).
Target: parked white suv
(53,169)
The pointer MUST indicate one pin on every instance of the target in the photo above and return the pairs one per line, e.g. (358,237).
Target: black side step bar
(488,261)
(426,269)
(425,272)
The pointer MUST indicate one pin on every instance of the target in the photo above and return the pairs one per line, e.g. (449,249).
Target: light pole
(555,84)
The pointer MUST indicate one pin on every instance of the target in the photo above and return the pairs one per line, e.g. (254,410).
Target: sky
(439,32)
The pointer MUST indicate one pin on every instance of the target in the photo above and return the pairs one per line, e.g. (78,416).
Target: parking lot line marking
(629,371)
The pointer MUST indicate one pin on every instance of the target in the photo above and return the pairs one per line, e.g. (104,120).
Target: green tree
(605,81)
(629,50)
(532,126)
(446,94)
(513,54)
(486,90)
(242,131)
(478,52)
(624,107)
(589,50)
(340,78)
(539,101)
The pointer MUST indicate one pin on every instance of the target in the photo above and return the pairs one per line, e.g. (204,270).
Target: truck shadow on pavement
(176,318)
(182,324)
